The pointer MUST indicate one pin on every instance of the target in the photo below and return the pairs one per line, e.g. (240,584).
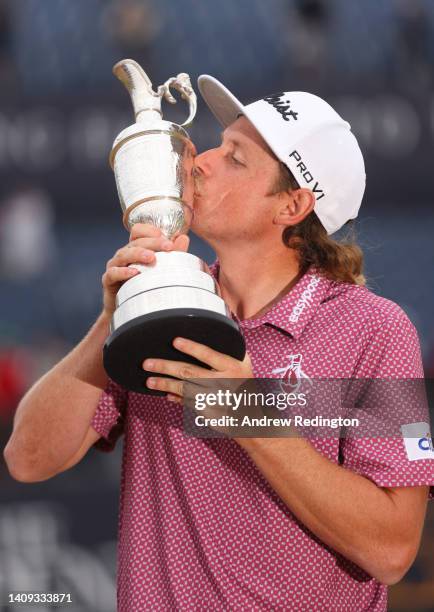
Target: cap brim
(227,108)
(224,105)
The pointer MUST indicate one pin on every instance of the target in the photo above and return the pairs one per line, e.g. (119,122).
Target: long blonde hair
(340,260)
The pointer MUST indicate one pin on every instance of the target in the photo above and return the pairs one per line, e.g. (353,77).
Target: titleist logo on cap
(282,105)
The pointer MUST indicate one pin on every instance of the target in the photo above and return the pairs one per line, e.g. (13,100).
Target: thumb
(247,361)
(181,243)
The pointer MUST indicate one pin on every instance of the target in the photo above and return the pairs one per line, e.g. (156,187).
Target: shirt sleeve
(392,371)
(109,417)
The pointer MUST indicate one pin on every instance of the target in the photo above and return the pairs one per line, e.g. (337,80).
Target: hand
(145,240)
(223,367)
(192,383)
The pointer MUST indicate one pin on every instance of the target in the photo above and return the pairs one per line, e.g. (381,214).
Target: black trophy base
(152,335)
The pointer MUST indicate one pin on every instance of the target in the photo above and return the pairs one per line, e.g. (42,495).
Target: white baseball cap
(310,138)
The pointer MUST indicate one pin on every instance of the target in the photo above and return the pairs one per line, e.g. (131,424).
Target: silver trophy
(153,162)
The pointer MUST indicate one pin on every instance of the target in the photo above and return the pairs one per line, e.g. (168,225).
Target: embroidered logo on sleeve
(418,441)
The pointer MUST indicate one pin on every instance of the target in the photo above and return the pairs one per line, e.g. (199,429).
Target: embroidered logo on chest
(292,374)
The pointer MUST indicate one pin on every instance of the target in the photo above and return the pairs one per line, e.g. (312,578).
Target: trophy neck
(170,214)
(148,116)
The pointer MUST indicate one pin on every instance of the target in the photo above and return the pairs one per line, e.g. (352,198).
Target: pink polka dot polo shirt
(199,527)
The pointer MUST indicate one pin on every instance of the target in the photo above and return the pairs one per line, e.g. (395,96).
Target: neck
(252,279)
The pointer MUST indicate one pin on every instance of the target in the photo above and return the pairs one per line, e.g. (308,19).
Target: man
(252,523)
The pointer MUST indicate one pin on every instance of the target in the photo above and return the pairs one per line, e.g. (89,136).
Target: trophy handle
(182,84)
(144,98)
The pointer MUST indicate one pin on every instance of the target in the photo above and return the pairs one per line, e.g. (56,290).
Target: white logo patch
(305,299)
(418,441)
(292,374)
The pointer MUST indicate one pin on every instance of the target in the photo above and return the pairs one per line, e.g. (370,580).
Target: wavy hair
(340,260)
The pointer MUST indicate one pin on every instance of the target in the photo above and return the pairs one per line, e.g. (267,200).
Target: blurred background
(60,219)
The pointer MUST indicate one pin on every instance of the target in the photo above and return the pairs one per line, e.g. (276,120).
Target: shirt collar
(295,309)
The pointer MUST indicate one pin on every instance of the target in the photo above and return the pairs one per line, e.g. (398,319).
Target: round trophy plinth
(173,297)
(152,335)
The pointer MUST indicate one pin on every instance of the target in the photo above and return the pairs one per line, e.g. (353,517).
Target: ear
(294,206)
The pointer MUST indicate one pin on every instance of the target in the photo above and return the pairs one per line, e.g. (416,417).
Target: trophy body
(153,161)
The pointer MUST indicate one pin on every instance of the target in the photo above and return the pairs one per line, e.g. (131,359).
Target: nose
(204,162)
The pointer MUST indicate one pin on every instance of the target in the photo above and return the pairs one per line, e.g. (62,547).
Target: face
(233,186)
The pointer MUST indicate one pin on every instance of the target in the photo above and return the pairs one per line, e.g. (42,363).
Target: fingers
(177,399)
(178,369)
(145,240)
(170,385)
(116,275)
(217,361)
(142,250)
(129,255)
(160,243)
(144,230)
(181,243)
(150,237)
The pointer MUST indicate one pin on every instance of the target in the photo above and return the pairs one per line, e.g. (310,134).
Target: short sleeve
(391,367)
(109,417)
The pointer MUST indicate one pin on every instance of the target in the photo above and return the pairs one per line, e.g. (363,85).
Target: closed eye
(232,155)
(236,160)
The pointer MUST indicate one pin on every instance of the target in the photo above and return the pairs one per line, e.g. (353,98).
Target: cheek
(232,193)
(222,200)
(218,191)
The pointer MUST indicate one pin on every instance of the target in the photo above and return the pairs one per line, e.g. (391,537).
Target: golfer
(252,523)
